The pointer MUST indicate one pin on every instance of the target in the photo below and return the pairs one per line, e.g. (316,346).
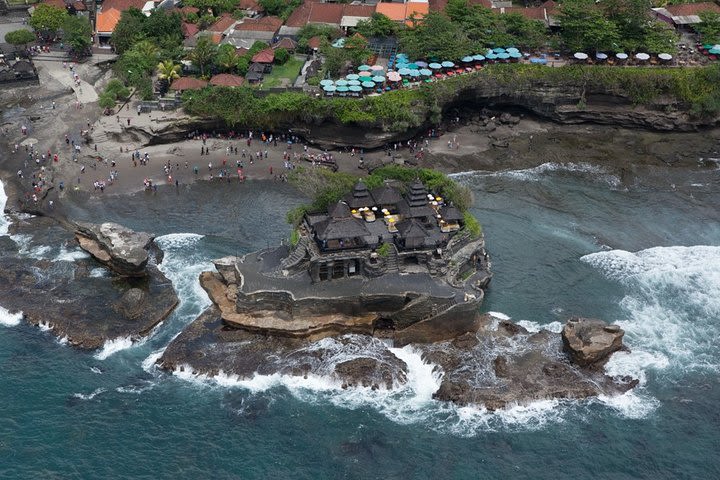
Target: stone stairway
(298,254)
(391,261)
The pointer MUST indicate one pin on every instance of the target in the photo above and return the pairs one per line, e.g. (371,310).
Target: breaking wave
(535,174)
(672,306)
(10,319)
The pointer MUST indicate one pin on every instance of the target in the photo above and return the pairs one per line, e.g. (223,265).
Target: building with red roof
(265,56)
(223,25)
(189,29)
(188,83)
(227,80)
(685,14)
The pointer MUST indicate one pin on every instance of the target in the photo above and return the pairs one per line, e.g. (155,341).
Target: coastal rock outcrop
(122,250)
(591,341)
(75,298)
(504,364)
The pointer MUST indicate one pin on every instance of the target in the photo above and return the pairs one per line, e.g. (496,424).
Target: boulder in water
(589,342)
(122,250)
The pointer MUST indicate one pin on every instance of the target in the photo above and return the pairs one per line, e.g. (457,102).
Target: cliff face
(567,103)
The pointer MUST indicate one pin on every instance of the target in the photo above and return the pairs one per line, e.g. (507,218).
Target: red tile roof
(265,56)
(286,43)
(189,29)
(312,11)
(107,20)
(227,80)
(55,3)
(532,13)
(264,24)
(326,13)
(123,5)
(314,42)
(225,22)
(252,5)
(188,83)
(688,9)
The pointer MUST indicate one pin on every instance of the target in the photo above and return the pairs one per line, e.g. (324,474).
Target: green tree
(47,19)
(168,70)
(379,25)
(218,7)
(273,7)
(709,28)
(20,37)
(281,56)
(128,31)
(106,101)
(203,55)
(436,36)
(583,27)
(356,49)
(226,58)
(77,33)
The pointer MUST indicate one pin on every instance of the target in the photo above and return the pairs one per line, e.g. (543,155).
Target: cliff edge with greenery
(691,95)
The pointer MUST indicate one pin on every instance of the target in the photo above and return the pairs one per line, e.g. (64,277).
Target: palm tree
(147,49)
(167,72)
(226,58)
(203,54)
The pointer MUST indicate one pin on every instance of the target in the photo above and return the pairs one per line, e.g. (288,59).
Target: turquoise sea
(564,240)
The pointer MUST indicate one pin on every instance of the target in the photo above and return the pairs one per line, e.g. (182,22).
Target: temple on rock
(381,231)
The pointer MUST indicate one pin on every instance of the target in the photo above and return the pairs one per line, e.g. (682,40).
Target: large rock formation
(590,341)
(505,364)
(74,299)
(122,250)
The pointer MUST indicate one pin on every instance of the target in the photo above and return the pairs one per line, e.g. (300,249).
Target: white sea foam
(96,370)
(499,315)
(534,327)
(672,304)
(99,272)
(10,319)
(113,346)
(4,221)
(631,404)
(89,396)
(149,363)
(535,174)
(45,326)
(70,255)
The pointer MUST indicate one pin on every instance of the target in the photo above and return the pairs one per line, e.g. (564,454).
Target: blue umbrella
(329,88)
(355,88)
(478,58)
(353,82)
(326,82)
(368,84)
(412,66)
(342,88)
(363,68)
(447,64)
(515,55)
(435,66)
(341,83)
(401,56)
(503,55)
(468,59)
(404,71)
(512,50)
(378,79)
(352,76)
(415,73)
(714,51)
(540,61)
(401,65)
(491,56)
(425,72)
(498,50)
(421,64)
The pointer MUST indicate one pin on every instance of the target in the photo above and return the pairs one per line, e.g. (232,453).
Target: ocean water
(564,240)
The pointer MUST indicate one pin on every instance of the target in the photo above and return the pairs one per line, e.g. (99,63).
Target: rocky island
(381,269)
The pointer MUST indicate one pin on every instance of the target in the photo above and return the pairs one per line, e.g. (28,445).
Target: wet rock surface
(505,364)
(589,342)
(208,347)
(497,366)
(75,296)
(122,250)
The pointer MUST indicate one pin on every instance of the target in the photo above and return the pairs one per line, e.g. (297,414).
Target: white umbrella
(665,56)
(601,56)
(581,56)
(642,56)
(622,56)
